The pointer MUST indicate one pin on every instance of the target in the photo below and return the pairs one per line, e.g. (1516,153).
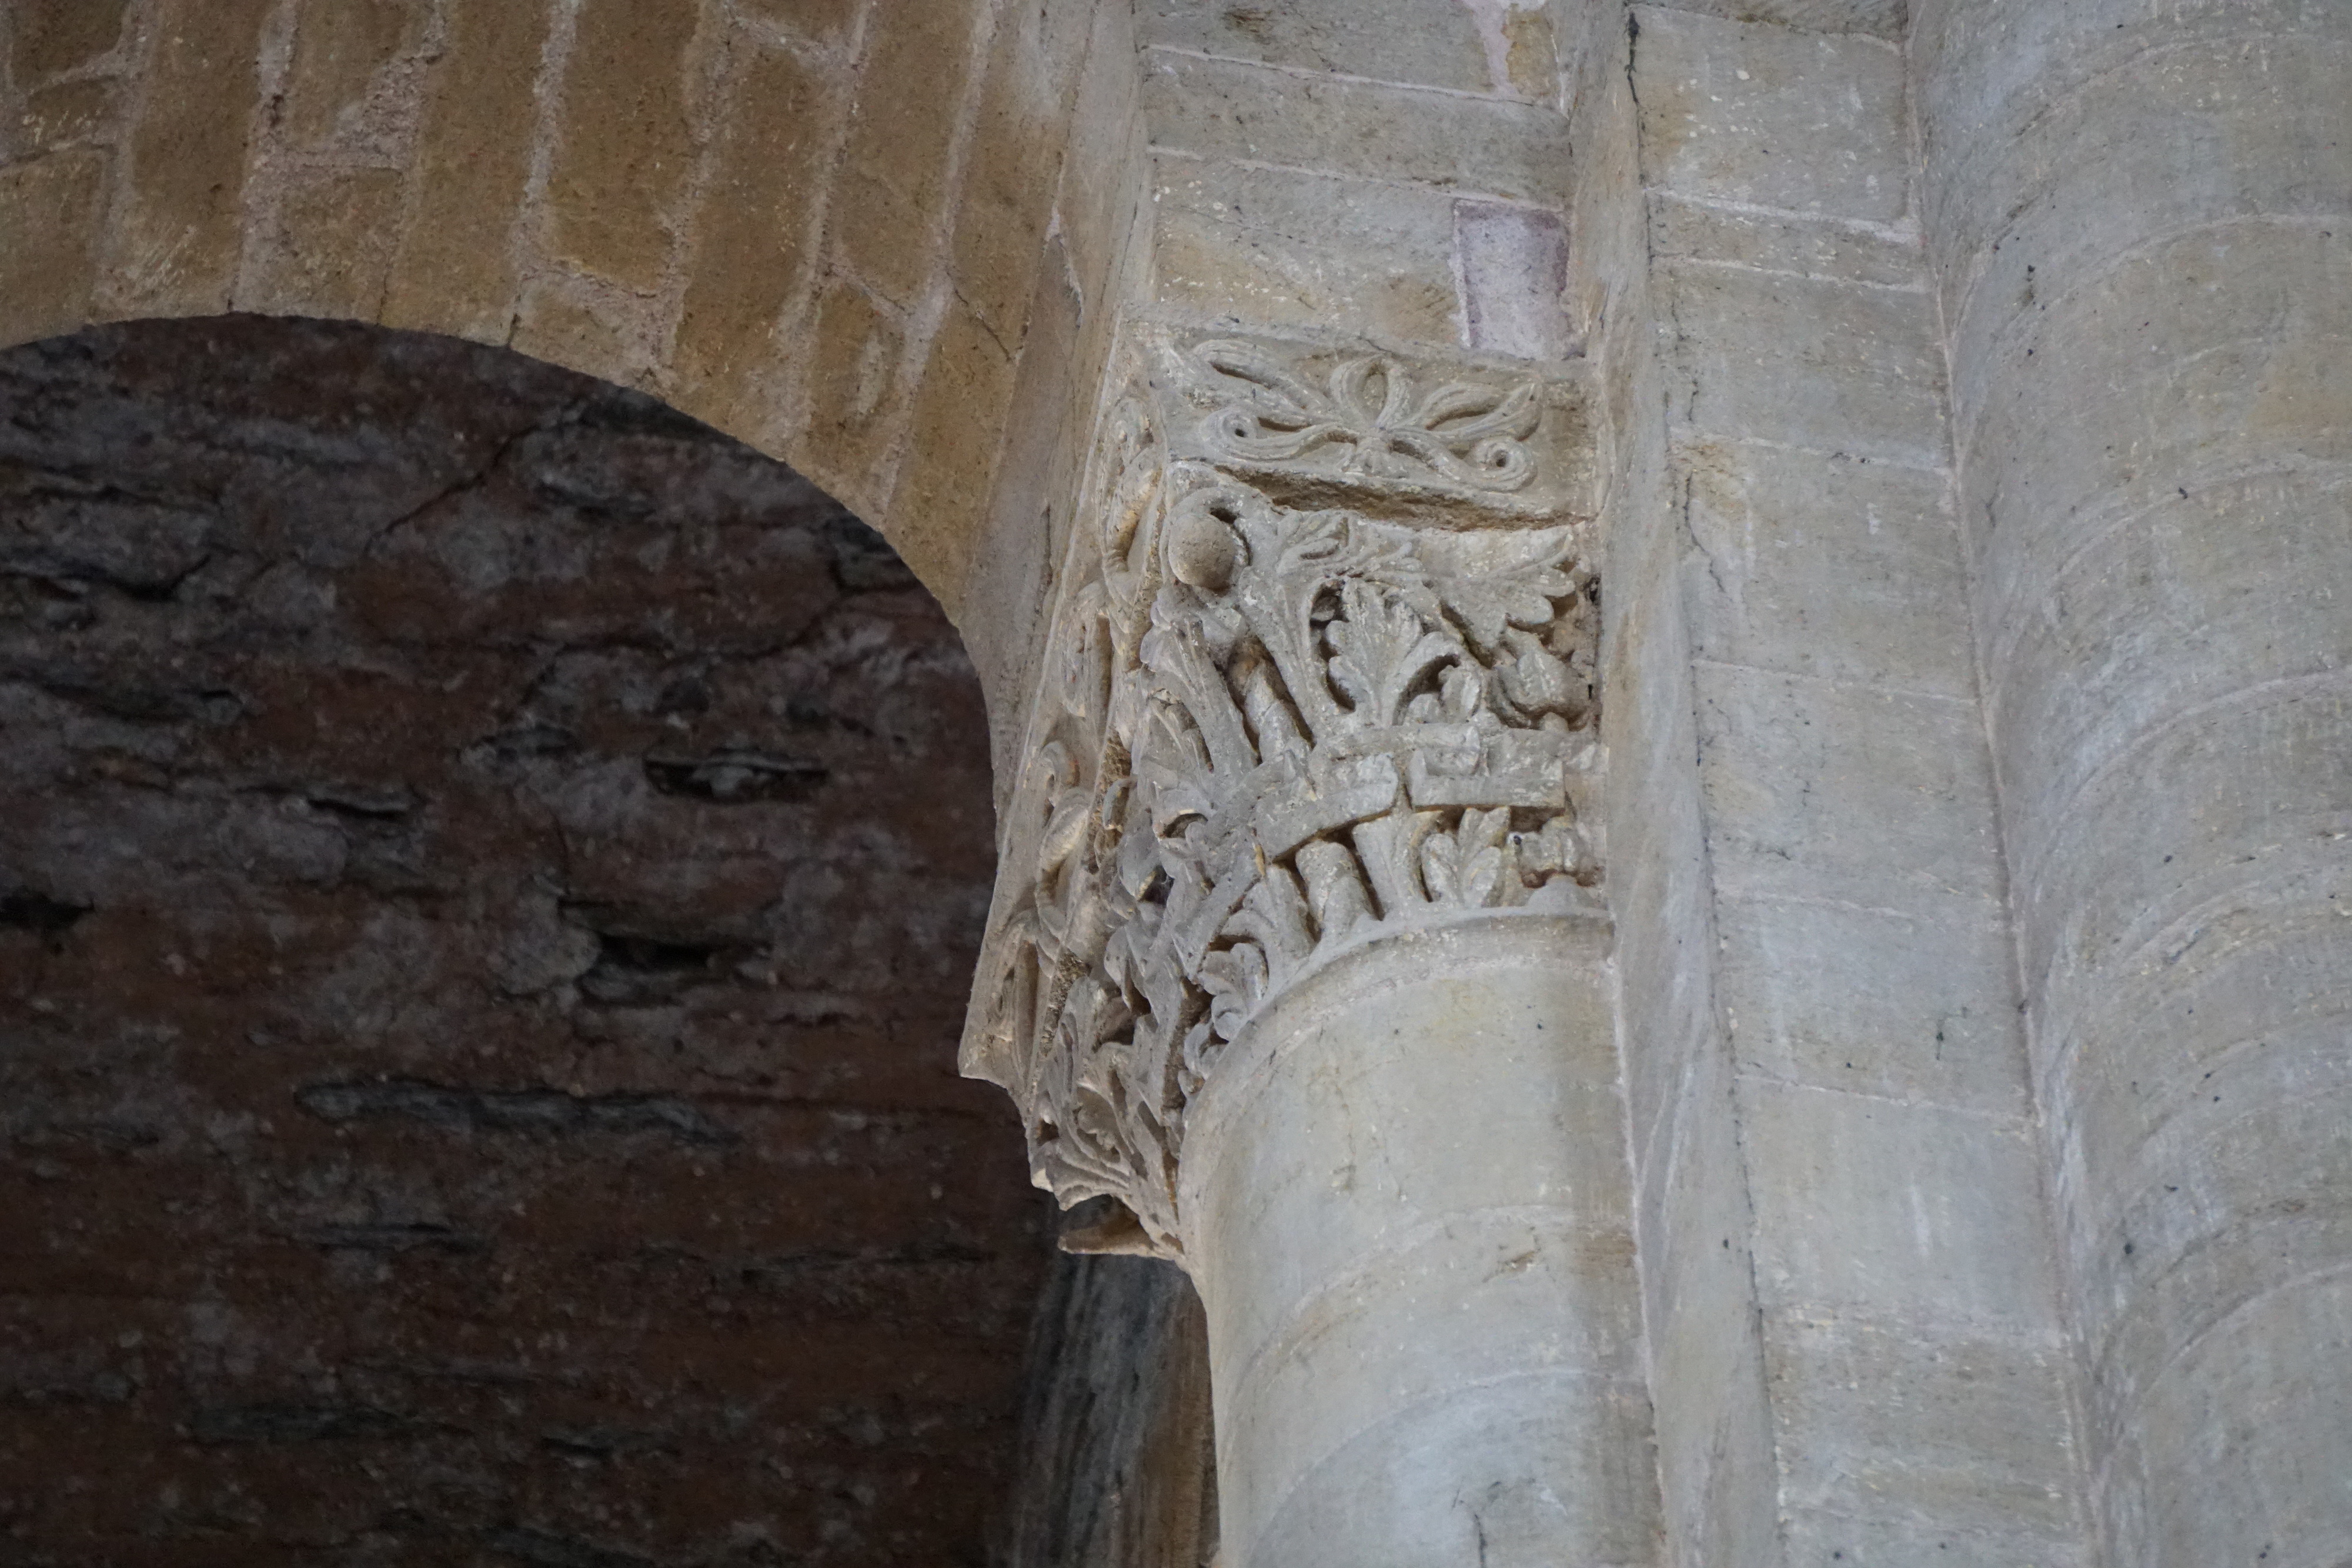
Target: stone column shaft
(1408,1186)
(2143,218)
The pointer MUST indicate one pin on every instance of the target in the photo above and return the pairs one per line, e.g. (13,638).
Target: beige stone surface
(955,427)
(1904,1006)
(331,252)
(1824,564)
(1291,247)
(572,321)
(857,388)
(626,150)
(1879,18)
(47,249)
(755,235)
(1416,1264)
(1405,41)
(1738,112)
(1011,168)
(1227,108)
(173,248)
(2138,222)
(343,49)
(49,36)
(897,173)
(454,268)
(819,21)
(66,113)
(1799,362)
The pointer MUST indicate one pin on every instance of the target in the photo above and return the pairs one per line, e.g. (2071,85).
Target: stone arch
(819,226)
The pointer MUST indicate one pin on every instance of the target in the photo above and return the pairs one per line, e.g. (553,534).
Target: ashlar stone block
(1915,1214)
(1766,116)
(1404,41)
(1835,367)
(1226,109)
(48,248)
(336,91)
(332,249)
(1856,794)
(50,37)
(174,248)
(453,269)
(753,233)
(1289,248)
(1914,1005)
(1823,564)
(1958,1438)
(895,173)
(625,149)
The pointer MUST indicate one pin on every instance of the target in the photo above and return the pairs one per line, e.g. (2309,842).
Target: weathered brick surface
(332,244)
(343,52)
(626,149)
(71,111)
(174,249)
(1011,168)
(47,37)
(488,873)
(570,321)
(753,230)
(48,248)
(819,21)
(453,270)
(894,186)
(856,401)
(957,423)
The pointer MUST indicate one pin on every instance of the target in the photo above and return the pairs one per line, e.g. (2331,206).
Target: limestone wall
(1830,1108)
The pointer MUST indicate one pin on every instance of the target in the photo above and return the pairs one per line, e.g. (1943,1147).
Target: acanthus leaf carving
(1272,732)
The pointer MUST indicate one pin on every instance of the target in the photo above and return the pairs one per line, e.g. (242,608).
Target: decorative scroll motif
(1270,733)
(1459,445)
(1464,434)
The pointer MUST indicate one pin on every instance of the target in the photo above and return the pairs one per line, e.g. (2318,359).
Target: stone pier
(1300,964)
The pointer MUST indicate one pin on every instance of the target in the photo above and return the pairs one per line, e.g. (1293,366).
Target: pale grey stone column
(1406,1201)
(2142,216)
(1299,952)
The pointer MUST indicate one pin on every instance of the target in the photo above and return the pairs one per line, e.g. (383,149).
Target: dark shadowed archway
(488,876)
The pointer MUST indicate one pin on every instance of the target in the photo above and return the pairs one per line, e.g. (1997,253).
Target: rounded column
(1406,1201)
(1299,954)
(2143,219)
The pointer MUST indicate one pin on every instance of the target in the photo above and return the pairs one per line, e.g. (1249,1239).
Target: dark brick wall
(488,878)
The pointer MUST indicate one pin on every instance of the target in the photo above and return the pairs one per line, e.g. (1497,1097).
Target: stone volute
(1297,955)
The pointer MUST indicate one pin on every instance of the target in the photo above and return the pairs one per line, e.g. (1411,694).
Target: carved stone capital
(1321,670)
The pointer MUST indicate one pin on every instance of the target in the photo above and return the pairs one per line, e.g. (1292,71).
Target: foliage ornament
(1272,732)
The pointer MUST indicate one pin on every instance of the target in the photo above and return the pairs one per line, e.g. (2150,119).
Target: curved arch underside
(816,227)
